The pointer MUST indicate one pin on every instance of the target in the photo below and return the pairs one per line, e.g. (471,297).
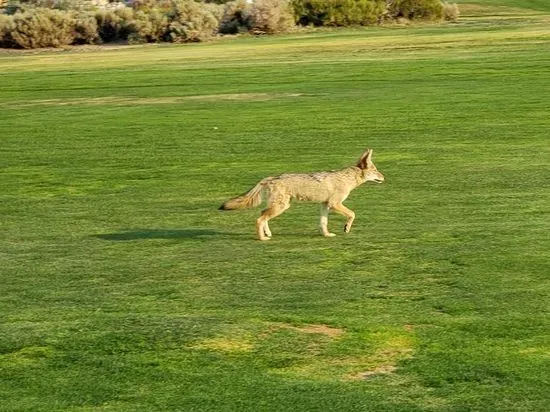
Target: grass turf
(123,288)
(521,6)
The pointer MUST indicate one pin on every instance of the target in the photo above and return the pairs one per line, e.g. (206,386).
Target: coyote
(328,188)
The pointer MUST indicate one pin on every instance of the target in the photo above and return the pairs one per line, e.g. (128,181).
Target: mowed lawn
(123,288)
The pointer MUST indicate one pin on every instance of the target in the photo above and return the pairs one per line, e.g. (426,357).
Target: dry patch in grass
(131,101)
(242,96)
(380,370)
(225,345)
(309,347)
(319,329)
(245,342)
(384,361)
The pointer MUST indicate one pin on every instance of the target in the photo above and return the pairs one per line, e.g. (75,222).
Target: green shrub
(356,12)
(43,28)
(416,9)
(190,22)
(339,12)
(363,12)
(271,16)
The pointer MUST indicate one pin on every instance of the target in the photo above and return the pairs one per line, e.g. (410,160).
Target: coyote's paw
(329,234)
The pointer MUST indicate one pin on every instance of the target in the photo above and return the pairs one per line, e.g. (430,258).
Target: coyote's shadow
(145,234)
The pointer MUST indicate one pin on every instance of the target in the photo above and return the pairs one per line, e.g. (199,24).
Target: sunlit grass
(124,288)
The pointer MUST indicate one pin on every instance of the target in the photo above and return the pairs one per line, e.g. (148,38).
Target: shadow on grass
(143,234)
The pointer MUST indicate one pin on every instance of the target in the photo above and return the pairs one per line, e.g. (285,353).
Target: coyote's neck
(356,173)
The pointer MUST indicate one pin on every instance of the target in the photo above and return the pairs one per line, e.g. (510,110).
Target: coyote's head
(369,172)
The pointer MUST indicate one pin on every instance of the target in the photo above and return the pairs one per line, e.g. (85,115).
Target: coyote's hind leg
(277,205)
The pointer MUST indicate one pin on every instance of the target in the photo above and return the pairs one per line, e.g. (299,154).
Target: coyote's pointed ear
(369,157)
(365,159)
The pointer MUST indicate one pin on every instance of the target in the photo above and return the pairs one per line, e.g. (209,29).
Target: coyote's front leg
(344,211)
(323,224)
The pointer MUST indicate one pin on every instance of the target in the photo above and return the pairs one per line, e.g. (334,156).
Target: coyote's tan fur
(328,188)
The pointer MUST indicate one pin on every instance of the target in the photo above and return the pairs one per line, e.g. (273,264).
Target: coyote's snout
(328,188)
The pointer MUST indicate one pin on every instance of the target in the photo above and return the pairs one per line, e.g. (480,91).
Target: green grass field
(123,288)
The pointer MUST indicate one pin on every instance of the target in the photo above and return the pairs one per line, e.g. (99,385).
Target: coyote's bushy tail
(252,198)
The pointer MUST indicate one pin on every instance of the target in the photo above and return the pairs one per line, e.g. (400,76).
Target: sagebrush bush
(42,27)
(115,24)
(236,18)
(147,6)
(108,25)
(149,27)
(63,22)
(272,16)
(217,10)
(7,26)
(451,12)
(190,22)
(85,29)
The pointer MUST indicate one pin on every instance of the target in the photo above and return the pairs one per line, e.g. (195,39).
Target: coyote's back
(328,188)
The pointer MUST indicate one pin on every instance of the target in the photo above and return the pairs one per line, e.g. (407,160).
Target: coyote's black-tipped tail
(252,198)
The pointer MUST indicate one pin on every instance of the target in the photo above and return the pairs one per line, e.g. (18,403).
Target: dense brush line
(58,23)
